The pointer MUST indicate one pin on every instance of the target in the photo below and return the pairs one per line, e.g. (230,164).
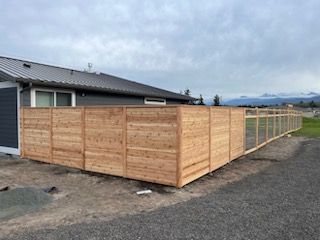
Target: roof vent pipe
(26,65)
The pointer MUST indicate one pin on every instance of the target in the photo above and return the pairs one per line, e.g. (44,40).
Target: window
(155,101)
(63,99)
(52,98)
(44,99)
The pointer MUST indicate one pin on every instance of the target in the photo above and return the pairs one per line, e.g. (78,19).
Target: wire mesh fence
(264,125)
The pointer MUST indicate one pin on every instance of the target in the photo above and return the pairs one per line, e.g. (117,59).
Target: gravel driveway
(281,202)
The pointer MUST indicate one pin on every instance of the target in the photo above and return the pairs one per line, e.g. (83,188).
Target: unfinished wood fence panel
(172,145)
(237,133)
(220,137)
(104,140)
(152,144)
(67,137)
(36,127)
(194,142)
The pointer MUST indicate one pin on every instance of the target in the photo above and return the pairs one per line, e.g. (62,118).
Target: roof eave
(83,87)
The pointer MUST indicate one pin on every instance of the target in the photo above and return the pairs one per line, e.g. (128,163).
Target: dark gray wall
(8,118)
(176,101)
(25,98)
(92,98)
(97,98)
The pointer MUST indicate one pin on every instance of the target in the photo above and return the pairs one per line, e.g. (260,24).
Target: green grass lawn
(311,128)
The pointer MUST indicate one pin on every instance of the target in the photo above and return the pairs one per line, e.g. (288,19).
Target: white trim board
(13,151)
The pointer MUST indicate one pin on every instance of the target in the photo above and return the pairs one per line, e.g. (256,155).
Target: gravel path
(282,202)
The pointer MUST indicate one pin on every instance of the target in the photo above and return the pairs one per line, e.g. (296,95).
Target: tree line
(216,100)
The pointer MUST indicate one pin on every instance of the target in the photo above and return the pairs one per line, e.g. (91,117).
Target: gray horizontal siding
(85,98)
(91,98)
(25,98)
(8,118)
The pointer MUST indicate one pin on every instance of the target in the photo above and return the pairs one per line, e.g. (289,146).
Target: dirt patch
(85,197)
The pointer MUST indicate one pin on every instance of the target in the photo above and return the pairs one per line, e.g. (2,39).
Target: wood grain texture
(36,134)
(152,144)
(104,133)
(195,147)
(172,145)
(237,147)
(220,137)
(67,137)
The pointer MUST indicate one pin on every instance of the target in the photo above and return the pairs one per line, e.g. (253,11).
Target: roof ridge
(44,64)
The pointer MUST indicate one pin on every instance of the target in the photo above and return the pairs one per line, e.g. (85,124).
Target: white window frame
(54,91)
(155,101)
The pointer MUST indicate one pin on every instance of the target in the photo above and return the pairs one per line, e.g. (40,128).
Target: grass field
(311,128)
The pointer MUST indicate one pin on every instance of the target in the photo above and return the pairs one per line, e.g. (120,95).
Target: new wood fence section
(171,145)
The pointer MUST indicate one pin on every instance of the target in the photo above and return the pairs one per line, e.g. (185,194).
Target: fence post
(257,127)
(267,126)
(210,160)
(124,140)
(179,147)
(274,123)
(22,132)
(244,130)
(288,120)
(230,109)
(50,136)
(83,136)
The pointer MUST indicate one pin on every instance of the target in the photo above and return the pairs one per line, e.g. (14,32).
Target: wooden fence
(171,145)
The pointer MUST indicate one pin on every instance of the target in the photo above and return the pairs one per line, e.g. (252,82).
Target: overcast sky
(232,48)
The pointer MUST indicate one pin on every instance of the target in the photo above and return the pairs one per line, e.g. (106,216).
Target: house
(25,83)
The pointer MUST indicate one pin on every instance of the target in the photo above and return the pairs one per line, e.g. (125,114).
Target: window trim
(54,91)
(155,101)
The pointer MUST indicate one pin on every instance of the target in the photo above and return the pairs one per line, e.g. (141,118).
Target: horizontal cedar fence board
(171,145)
(152,144)
(36,134)
(67,137)
(237,133)
(220,137)
(194,143)
(104,145)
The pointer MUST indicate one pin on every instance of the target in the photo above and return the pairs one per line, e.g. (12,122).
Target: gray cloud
(226,47)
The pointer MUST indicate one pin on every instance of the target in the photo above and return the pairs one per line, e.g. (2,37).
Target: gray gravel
(282,202)
(20,201)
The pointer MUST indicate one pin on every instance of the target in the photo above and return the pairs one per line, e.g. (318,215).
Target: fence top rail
(269,111)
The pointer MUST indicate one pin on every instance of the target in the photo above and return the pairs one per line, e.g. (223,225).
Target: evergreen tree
(312,104)
(216,100)
(201,100)
(187,92)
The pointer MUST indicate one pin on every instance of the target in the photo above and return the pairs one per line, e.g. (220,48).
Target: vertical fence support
(274,123)
(230,109)
(50,136)
(288,120)
(83,136)
(267,126)
(257,127)
(179,147)
(22,133)
(124,140)
(244,130)
(210,161)
(280,122)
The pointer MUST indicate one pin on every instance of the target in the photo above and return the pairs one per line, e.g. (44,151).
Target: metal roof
(26,71)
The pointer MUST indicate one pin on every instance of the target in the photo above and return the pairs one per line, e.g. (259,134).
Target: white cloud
(226,47)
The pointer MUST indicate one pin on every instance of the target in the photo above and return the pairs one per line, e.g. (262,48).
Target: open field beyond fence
(171,145)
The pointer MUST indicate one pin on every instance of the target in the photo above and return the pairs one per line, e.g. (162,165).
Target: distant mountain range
(274,99)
